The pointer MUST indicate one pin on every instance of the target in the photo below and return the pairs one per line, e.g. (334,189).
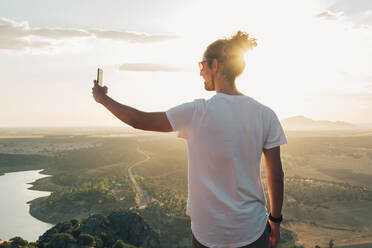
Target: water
(15,219)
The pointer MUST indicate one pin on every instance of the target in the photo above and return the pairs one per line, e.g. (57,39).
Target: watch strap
(275,220)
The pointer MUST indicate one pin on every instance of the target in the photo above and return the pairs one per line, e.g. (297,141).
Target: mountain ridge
(301,122)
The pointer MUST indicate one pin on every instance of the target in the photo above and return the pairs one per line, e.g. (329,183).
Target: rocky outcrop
(118,229)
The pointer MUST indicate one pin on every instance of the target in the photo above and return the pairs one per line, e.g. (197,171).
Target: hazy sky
(314,57)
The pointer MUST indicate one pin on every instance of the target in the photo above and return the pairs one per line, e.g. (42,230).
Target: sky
(313,58)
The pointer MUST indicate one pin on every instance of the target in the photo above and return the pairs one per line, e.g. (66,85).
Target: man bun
(238,44)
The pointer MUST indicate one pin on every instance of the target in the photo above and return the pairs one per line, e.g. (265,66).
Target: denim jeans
(261,242)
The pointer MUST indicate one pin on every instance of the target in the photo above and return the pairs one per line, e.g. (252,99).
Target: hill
(302,123)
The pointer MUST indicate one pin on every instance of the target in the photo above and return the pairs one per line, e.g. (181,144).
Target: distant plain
(328,179)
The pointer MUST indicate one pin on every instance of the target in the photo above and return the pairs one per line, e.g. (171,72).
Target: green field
(328,181)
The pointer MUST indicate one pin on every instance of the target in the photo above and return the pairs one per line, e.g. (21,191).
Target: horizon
(318,51)
(126,127)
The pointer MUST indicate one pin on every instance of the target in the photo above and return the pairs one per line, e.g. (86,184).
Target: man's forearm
(125,113)
(276,189)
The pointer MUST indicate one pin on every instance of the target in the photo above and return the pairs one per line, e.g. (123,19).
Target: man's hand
(98,92)
(153,121)
(275,234)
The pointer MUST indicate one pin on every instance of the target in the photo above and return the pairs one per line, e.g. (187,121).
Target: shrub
(86,239)
(120,244)
(60,240)
(18,241)
(99,242)
(74,222)
(63,227)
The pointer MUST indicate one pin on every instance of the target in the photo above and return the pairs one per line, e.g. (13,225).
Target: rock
(127,226)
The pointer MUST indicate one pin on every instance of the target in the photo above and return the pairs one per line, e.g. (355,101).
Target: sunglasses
(200,64)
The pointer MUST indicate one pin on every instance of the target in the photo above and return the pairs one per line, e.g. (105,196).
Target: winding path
(144,198)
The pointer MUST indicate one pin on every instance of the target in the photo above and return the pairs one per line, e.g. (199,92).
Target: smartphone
(99,77)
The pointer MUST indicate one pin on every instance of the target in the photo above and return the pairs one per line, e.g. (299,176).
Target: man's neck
(228,88)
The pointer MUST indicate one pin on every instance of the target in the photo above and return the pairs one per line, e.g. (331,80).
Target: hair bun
(240,43)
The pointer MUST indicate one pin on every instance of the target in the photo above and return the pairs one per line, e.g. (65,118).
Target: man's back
(226,135)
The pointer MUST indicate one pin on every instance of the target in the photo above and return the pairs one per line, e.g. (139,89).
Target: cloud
(362,98)
(357,11)
(148,67)
(329,15)
(130,36)
(19,35)
(58,33)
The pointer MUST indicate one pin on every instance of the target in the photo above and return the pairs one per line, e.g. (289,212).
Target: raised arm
(153,121)
(275,183)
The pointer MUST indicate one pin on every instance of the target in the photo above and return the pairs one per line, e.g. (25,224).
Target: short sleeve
(180,117)
(275,135)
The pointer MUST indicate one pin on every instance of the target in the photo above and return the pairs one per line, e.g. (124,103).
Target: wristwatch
(275,220)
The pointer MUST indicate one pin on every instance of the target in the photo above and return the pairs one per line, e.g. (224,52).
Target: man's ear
(215,65)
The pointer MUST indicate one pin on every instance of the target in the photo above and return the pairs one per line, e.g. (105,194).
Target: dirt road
(144,198)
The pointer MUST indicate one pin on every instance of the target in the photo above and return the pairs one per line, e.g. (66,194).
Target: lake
(15,219)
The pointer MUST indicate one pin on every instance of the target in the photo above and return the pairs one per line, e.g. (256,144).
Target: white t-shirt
(226,135)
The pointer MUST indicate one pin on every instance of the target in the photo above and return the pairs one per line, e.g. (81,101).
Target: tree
(120,244)
(18,241)
(60,240)
(331,244)
(86,239)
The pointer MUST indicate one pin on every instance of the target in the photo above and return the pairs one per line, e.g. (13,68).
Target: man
(226,136)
